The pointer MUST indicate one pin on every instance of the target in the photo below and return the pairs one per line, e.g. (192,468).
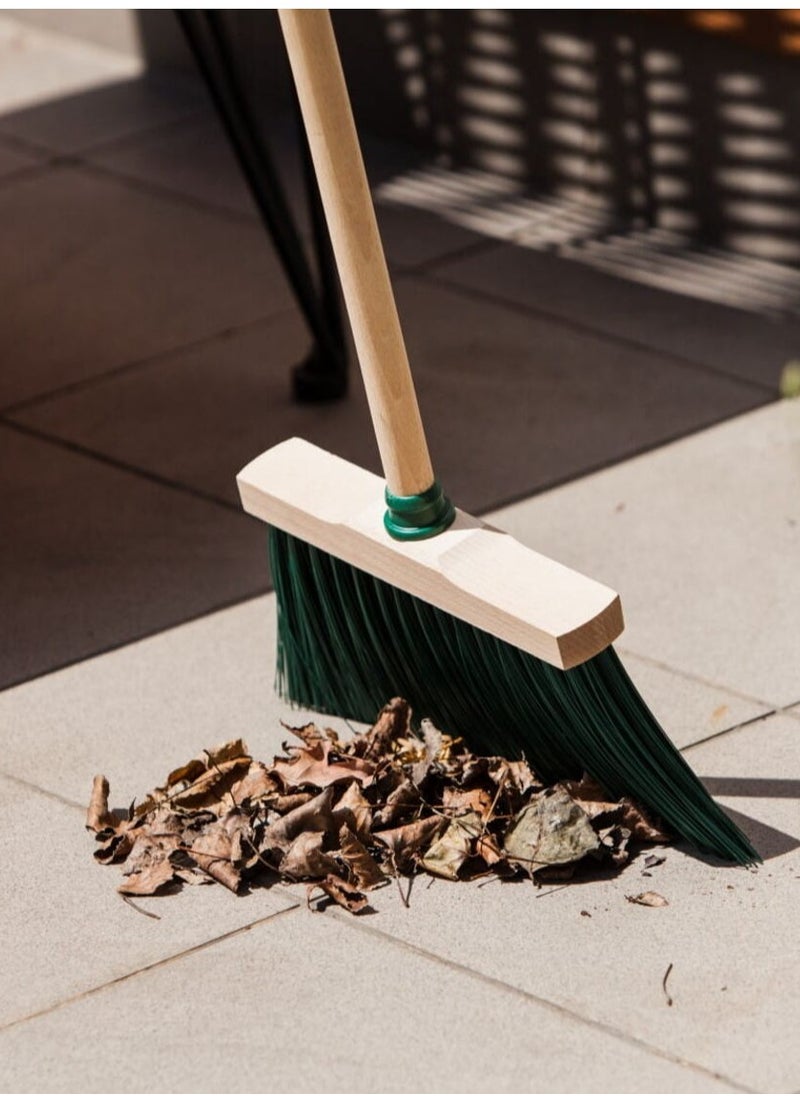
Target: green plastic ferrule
(415,517)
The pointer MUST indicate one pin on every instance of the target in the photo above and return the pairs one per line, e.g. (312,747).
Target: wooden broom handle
(357,246)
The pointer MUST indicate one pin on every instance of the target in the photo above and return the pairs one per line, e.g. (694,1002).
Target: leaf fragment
(647,898)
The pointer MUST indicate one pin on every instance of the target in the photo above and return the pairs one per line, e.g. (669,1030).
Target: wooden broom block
(472,570)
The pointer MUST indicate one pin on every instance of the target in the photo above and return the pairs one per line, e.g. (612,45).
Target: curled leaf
(342,893)
(363,868)
(97,815)
(304,859)
(447,854)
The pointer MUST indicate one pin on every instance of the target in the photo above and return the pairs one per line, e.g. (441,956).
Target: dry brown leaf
(432,744)
(516,775)
(447,854)
(647,898)
(641,824)
(313,815)
(404,800)
(148,868)
(407,843)
(488,849)
(361,864)
(342,893)
(591,797)
(321,765)
(285,804)
(463,800)
(149,880)
(551,829)
(304,859)
(98,816)
(354,811)
(308,733)
(213,851)
(393,722)
(204,783)
(254,784)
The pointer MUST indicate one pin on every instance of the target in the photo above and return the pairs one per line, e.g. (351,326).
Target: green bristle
(348,642)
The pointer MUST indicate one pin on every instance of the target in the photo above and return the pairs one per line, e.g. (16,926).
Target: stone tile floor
(150,338)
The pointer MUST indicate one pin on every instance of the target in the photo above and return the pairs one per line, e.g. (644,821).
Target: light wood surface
(471,570)
(357,246)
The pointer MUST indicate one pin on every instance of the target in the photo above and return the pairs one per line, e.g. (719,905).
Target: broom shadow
(769,841)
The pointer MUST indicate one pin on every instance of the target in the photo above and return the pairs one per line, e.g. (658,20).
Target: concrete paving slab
(702,539)
(96,275)
(689,710)
(65,929)
(301,1003)
(734,342)
(92,556)
(14,159)
(730,934)
(508,401)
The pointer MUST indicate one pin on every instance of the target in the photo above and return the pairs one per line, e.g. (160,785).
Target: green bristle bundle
(348,642)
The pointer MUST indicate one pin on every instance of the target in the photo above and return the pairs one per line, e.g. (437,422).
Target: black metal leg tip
(318,380)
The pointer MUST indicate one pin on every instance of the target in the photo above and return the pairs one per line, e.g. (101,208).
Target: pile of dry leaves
(348,816)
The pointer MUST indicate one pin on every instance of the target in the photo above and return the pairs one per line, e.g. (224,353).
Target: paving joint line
(729,730)
(159,357)
(231,603)
(130,140)
(176,197)
(21,174)
(203,946)
(121,466)
(689,676)
(605,336)
(605,463)
(28,785)
(552,1006)
(462,251)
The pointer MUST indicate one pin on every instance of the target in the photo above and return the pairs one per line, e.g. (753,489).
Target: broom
(489,639)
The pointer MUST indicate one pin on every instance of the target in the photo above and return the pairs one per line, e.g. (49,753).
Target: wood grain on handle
(357,246)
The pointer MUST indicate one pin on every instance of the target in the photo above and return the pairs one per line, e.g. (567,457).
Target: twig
(147,913)
(403,897)
(667,973)
(500,788)
(546,894)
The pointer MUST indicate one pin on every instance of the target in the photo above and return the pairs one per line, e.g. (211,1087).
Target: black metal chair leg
(326,364)
(321,376)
